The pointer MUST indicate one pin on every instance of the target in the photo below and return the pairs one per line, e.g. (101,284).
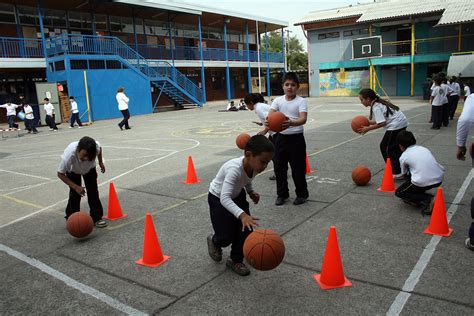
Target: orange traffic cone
(114,210)
(439,221)
(152,255)
(191,177)
(332,273)
(308,167)
(388,185)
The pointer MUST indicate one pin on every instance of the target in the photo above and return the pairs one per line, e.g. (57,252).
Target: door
(50,91)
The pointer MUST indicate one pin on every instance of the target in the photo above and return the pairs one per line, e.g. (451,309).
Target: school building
(419,39)
(161,52)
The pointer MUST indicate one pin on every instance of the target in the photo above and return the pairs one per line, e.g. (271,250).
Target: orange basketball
(358,122)
(264,249)
(242,140)
(275,121)
(79,224)
(361,175)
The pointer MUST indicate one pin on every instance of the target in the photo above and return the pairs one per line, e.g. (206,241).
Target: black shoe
(280,201)
(427,208)
(299,200)
(214,252)
(120,127)
(434,127)
(273,178)
(238,267)
(128,128)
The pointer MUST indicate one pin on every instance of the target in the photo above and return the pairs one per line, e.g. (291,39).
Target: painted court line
(19,201)
(72,283)
(197,143)
(25,174)
(415,275)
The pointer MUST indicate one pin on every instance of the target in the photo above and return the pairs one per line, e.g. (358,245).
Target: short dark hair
(253,98)
(45,99)
(291,76)
(71,97)
(406,139)
(88,144)
(259,144)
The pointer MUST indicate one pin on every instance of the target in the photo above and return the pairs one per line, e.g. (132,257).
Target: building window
(101,22)
(80,20)
(7,13)
(78,64)
(356,32)
(328,35)
(59,65)
(28,15)
(54,18)
(121,24)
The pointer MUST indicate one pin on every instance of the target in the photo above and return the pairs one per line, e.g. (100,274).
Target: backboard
(367,47)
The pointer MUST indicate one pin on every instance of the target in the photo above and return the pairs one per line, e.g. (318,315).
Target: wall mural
(343,83)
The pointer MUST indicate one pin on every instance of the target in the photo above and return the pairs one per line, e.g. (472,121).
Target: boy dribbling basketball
(229,209)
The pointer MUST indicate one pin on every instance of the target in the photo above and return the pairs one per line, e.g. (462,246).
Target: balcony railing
(193,53)
(11,47)
(32,48)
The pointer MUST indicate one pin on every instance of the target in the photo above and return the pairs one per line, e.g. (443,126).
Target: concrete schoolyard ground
(393,266)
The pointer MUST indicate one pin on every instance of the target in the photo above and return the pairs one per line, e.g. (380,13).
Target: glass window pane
(7,13)
(28,15)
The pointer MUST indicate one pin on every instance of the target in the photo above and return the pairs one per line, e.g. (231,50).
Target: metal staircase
(161,74)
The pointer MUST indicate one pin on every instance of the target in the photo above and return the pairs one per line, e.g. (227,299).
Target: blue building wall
(102,87)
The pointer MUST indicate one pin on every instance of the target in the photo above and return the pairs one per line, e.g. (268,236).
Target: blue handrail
(108,45)
(11,47)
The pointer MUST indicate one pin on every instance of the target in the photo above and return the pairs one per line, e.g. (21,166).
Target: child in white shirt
(49,109)
(290,144)
(78,161)
(387,115)
(437,100)
(422,170)
(30,119)
(74,113)
(11,114)
(229,209)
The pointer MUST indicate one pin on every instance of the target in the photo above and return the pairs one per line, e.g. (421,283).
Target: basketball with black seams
(264,249)
(361,175)
(358,122)
(79,224)
(275,121)
(242,140)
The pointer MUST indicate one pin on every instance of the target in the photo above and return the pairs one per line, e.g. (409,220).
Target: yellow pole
(459,38)
(412,58)
(87,98)
(371,68)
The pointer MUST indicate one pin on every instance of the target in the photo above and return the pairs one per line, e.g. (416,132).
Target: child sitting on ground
(229,209)
(231,106)
(422,170)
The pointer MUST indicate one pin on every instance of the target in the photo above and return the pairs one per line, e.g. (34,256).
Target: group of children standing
(29,118)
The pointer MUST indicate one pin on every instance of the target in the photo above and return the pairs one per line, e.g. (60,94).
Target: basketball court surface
(393,266)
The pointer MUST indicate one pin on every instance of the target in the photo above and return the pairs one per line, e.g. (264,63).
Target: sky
(288,10)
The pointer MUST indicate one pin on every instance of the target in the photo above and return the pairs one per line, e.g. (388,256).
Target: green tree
(297,58)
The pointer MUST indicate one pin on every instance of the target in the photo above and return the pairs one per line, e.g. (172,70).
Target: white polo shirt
(49,108)
(439,96)
(393,122)
(456,88)
(28,112)
(70,161)
(423,167)
(74,107)
(228,183)
(467,90)
(292,110)
(122,101)
(11,108)
(262,109)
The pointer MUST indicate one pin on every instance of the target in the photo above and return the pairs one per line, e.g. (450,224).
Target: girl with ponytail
(387,115)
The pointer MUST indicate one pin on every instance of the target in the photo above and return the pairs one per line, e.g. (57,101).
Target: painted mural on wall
(343,83)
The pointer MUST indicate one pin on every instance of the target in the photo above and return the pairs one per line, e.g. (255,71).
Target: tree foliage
(297,58)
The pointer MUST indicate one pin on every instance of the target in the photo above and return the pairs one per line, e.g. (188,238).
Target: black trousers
(437,116)
(11,121)
(445,115)
(390,149)
(50,121)
(415,194)
(453,105)
(126,116)
(92,192)
(290,149)
(75,118)
(30,125)
(228,228)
